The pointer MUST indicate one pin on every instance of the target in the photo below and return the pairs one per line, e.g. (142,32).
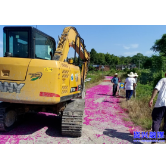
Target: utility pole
(139,63)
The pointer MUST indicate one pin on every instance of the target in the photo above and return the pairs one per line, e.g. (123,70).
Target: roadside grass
(137,108)
(126,119)
(139,112)
(96,78)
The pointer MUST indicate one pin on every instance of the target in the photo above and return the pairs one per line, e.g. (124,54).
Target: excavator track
(7,117)
(2,115)
(72,118)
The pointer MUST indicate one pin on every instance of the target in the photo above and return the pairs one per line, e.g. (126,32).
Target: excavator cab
(27,42)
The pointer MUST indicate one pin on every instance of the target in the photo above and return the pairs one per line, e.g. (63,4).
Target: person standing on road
(129,85)
(159,111)
(115,80)
(136,80)
(118,89)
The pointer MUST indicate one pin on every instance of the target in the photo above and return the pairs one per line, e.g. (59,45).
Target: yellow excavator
(35,76)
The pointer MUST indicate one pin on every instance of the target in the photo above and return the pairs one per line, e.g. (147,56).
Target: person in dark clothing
(159,110)
(115,80)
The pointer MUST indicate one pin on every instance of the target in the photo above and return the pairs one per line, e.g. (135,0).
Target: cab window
(18,43)
(43,47)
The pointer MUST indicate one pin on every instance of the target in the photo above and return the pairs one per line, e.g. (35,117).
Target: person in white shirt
(159,111)
(129,85)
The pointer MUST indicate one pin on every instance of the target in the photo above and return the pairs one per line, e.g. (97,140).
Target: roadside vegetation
(152,69)
(96,78)
(138,109)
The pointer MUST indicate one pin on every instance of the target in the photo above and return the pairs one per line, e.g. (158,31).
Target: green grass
(126,119)
(145,123)
(138,110)
(95,77)
(144,91)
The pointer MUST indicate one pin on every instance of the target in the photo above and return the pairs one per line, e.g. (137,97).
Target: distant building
(122,67)
(133,66)
(99,67)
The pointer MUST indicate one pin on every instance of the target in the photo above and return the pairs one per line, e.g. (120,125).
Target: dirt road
(103,123)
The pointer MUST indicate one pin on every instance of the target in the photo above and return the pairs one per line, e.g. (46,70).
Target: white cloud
(131,53)
(130,46)
(125,47)
(134,45)
(149,52)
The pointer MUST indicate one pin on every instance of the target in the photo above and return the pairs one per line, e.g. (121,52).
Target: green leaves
(148,63)
(103,59)
(93,56)
(160,45)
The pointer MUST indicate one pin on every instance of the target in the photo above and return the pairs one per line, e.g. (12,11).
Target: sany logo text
(11,87)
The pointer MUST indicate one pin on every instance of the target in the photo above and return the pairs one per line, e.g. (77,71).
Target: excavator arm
(71,38)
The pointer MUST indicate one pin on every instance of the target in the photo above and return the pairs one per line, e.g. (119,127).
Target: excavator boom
(71,38)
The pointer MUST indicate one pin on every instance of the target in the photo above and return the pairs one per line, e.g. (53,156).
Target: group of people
(159,110)
(130,84)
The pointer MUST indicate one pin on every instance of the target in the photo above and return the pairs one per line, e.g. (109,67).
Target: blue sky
(120,40)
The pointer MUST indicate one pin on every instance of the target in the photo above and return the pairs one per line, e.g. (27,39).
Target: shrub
(91,68)
(126,69)
(156,77)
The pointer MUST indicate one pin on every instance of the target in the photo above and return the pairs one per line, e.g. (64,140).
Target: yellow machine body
(35,76)
(35,81)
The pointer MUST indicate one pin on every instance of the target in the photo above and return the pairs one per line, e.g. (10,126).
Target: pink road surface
(103,123)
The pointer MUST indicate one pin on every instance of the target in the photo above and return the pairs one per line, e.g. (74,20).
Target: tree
(93,56)
(116,60)
(139,55)
(108,58)
(148,63)
(137,58)
(128,60)
(122,60)
(160,45)
(101,59)
(157,63)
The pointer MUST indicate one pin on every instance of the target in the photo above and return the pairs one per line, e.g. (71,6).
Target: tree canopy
(160,45)
(155,62)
